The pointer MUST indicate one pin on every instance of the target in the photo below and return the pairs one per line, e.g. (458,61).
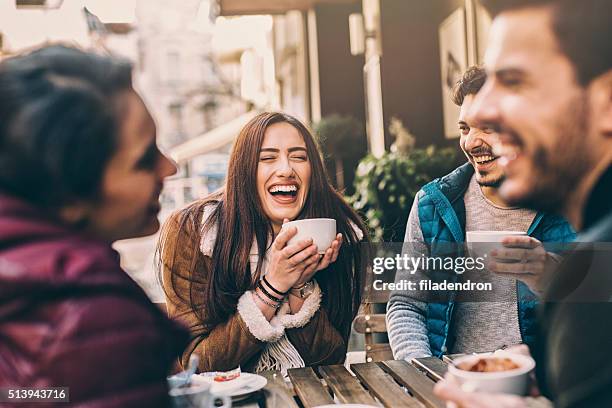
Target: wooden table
(387,384)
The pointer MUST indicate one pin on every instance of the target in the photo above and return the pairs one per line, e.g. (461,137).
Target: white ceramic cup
(514,381)
(490,236)
(321,230)
(480,243)
(196,396)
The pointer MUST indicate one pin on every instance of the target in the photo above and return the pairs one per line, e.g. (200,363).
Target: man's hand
(523,258)
(451,392)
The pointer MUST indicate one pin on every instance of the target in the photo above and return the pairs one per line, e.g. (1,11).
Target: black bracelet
(283,294)
(265,302)
(268,294)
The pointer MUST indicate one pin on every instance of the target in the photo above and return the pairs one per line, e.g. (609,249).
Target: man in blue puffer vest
(443,210)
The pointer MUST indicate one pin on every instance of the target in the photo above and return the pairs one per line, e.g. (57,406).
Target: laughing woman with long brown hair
(290,307)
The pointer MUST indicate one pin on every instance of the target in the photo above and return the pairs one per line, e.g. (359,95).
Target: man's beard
(557,173)
(494,183)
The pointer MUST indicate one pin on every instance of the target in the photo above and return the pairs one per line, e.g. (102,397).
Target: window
(176,114)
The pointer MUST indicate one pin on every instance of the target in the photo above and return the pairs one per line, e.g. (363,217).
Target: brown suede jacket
(231,343)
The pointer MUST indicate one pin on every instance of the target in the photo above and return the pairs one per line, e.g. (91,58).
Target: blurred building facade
(396,74)
(187,90)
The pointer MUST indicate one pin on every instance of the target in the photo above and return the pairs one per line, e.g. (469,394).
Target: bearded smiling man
(548,95)
(468,199)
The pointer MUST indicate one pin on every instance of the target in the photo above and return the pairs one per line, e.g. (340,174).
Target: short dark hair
(470,83)
(59,121)
(583,29)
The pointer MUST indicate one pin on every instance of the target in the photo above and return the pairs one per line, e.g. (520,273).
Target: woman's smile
(284,193)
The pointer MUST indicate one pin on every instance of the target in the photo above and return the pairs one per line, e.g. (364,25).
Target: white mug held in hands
(491,236)
(321,230)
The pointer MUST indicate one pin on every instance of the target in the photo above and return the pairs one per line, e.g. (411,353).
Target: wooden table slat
(383,386)
(448,358)
(345,387)
(278,393)
(418,383)
(432,366)
(308,387)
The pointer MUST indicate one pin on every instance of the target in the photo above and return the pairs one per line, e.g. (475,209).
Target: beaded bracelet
(265,302)
(268,294)
(283,294)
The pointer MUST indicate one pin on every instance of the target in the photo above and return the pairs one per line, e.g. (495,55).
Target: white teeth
(507,153)
(287,189)
(483,159)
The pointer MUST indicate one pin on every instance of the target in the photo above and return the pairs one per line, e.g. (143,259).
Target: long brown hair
(239,216)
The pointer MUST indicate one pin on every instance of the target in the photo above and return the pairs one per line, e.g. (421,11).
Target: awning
(211,140)
(243,7)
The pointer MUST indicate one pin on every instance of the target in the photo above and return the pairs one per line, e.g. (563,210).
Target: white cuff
(256,322)
(309,308)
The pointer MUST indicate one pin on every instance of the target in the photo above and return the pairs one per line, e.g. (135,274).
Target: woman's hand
(287,263)
(330,256)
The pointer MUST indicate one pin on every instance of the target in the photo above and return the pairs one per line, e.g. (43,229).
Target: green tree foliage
(343,142)
(385,187)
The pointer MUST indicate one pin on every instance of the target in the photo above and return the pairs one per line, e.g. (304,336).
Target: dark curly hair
(59,120)
(470,83)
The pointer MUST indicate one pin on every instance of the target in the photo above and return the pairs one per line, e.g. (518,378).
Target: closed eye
(510,78)
(464,129)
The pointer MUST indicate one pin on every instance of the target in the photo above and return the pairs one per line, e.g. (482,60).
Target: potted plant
(386,186)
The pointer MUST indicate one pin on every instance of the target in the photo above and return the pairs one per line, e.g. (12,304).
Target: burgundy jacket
(69,316)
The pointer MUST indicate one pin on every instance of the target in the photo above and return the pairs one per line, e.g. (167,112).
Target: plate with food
(233,383)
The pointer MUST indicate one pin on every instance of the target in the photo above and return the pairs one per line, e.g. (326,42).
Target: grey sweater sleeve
(406,316)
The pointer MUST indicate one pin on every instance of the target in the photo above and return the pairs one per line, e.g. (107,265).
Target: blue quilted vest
(442,217)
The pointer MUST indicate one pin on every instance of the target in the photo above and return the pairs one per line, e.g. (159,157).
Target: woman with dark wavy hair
(79,169)
(249,298)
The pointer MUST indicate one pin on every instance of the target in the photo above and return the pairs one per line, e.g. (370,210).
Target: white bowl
(514,381)
(321,230)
